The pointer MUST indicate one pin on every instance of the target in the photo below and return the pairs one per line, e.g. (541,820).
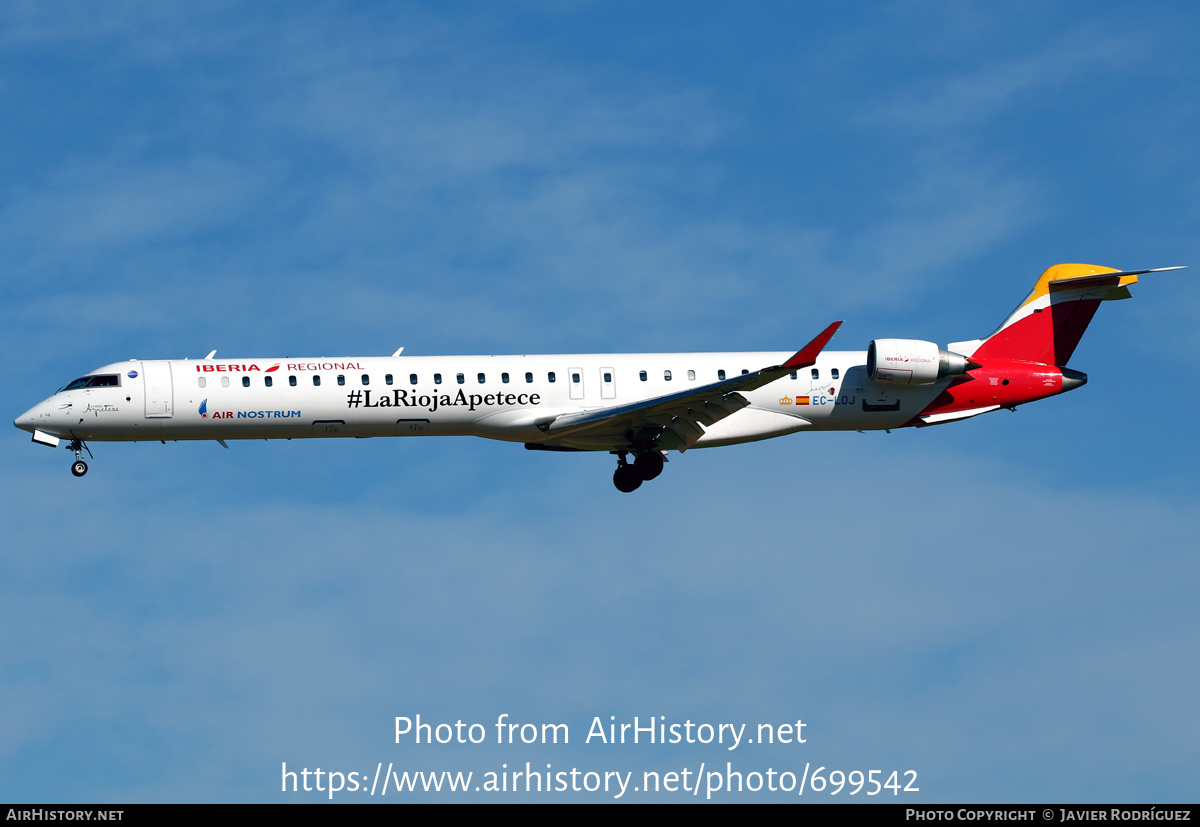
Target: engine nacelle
(913,362)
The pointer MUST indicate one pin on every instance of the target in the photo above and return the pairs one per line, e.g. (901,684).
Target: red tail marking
(1048,336)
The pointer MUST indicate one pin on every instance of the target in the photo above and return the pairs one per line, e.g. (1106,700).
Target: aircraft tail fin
(1047,326)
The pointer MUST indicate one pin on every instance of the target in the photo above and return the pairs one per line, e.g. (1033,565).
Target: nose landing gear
(79,467)
(646,466)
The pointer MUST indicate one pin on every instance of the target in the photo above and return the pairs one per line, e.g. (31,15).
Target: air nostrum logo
(432,401)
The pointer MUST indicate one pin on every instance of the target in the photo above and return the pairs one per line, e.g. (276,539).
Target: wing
(677,420)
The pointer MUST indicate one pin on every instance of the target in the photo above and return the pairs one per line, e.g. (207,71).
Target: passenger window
(200,381)
(461,379)
(366,380)
(224,381)
(575,378)
(437,379)
(481,379)
(744,371)
(267,380)
(794,376)
(834,373)
(245,381)
(316,380)
(292,381)
(504,378)
(720,376)
(608,377)
(387,379)
(412,379)
(691,376)
(528,378)
(816,374)
(341,378)
(642,375)
(667,375)
(550,376)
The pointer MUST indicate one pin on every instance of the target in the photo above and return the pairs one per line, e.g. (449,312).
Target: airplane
(639,405)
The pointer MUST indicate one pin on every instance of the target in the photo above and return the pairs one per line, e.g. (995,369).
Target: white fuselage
(499,397)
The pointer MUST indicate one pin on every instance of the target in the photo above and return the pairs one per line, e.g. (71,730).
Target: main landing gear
(79,467)
(646,466)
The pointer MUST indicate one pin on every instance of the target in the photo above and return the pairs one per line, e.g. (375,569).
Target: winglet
(807,355)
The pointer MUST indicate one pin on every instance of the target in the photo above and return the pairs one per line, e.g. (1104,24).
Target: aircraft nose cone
(1072,379)
(30,420)
(25,420)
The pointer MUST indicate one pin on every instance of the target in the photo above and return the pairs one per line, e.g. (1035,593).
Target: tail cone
(1072,379)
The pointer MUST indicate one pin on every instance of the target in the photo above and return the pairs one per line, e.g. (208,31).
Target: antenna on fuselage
(397,353)
(211,354)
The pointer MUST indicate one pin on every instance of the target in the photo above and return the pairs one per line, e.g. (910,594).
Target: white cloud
(200,615)
(952,101)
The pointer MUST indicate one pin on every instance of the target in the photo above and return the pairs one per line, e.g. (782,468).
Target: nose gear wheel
(79,467)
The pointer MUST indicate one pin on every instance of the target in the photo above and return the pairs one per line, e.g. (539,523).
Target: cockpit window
(107,380)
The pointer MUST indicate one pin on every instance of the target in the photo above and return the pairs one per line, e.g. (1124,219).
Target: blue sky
(1005,605)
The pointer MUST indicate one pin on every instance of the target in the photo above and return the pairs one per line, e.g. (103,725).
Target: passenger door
(160,395)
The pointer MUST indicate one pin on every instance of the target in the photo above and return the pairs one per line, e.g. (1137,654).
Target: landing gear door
(160,396)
